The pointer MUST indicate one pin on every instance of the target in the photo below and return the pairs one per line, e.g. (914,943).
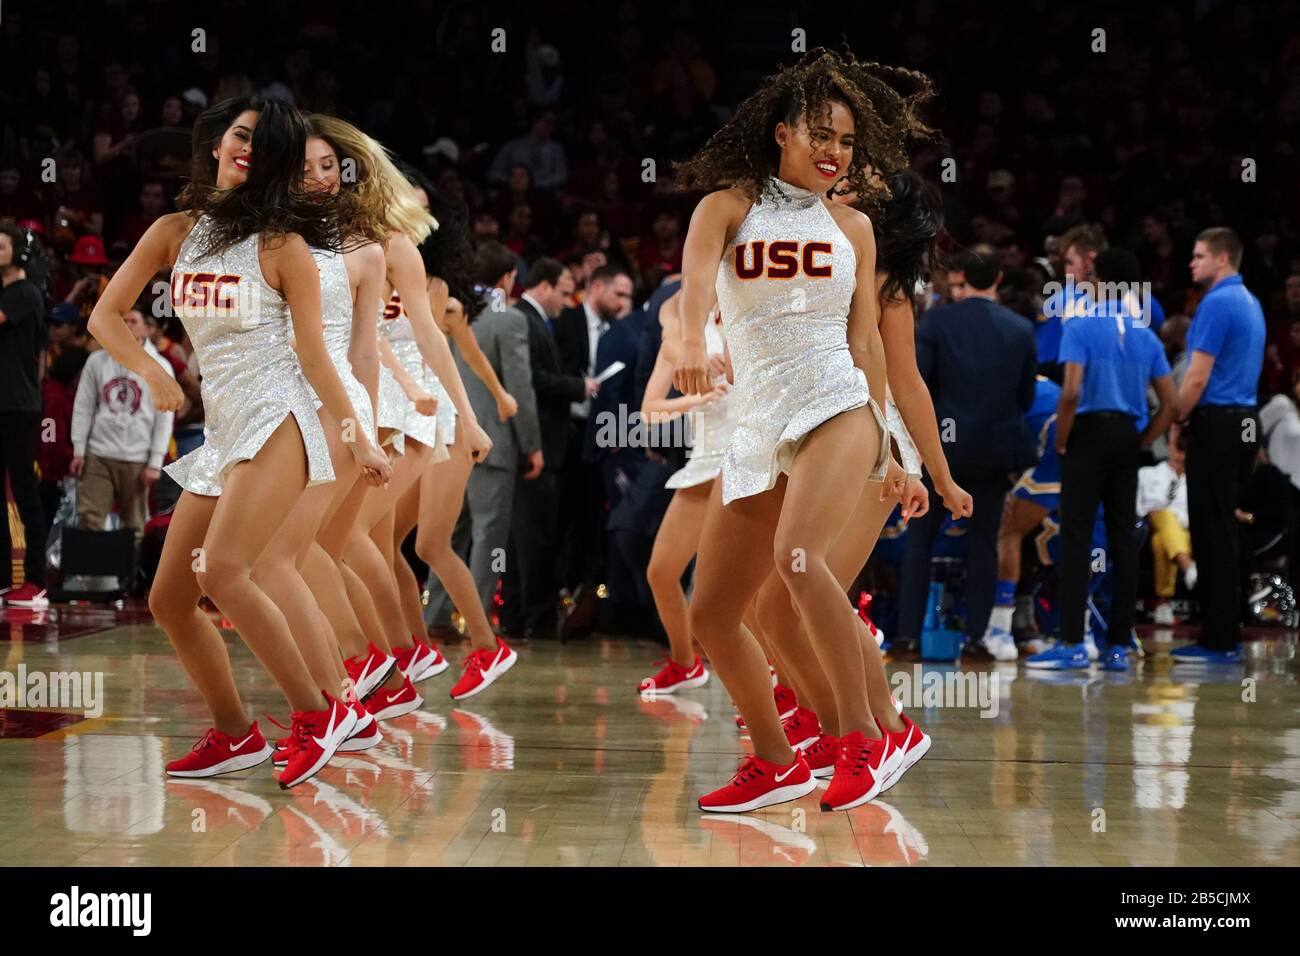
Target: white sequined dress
(711,427)
(785,284)
(336,323)
(909,457)
(250,377)
(436,431)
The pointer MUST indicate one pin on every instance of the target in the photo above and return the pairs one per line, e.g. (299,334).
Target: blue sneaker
(1115,658)
(1060,657)
(1196,654)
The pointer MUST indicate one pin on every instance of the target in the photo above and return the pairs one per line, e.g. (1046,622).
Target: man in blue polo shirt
(1218,396)
(1080,247)
(1101,426)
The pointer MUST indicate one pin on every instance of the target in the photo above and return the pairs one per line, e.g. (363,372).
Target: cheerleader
(309,591)
(415,351)
(301,567)
(795,276)
(710,417)
(243,279)
(433,506)
(907,224)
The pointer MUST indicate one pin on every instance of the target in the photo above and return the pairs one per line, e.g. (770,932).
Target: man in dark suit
(578,333)
(530,588)
(978,360)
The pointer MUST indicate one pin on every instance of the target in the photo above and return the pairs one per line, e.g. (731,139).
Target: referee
(1219,397)
(1101,426)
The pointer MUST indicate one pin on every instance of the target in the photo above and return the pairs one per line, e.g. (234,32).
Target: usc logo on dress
(205,293)
(783,259)
(392,308)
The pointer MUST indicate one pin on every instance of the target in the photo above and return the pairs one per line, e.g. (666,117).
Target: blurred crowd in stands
(1147,123)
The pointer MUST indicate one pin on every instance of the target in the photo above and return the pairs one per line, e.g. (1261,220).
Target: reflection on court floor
(563,764)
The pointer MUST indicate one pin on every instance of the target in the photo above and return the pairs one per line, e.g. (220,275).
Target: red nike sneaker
(802,728)
(27,595)
(315,736)
(674,677)
(387,704)
(420,661)
(821,755)
(365,734)
(436,662)
(482,668)
(785,700)
(864,612)
(217,753)
(760,783)
(860,769)
(912,743)
(785,703)
(370,672)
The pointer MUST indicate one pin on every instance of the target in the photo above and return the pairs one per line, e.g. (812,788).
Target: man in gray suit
(484,524)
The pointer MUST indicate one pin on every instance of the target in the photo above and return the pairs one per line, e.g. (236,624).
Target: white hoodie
(1279,420)
(113,415)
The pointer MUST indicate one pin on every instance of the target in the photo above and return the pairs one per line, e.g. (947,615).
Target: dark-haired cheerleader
(243,279)
(795,276)
(907,224)
(434,504)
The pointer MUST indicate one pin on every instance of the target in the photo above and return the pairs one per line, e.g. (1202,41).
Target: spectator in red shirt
(88,274)
(622,215)
(518,192)
(117,133)
(660,253)
(589,232)
(153,203)
(54,451)
(521,238)
(75,204)
(115,146)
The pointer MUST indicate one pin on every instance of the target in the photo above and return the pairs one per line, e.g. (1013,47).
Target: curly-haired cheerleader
(795,276)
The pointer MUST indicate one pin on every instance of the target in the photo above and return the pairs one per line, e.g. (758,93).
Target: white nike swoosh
(321,742)
(884,754)
(782,776)
(692,674)
(234,747)
(907,741)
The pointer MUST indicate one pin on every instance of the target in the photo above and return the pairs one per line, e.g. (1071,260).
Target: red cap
(89,251)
